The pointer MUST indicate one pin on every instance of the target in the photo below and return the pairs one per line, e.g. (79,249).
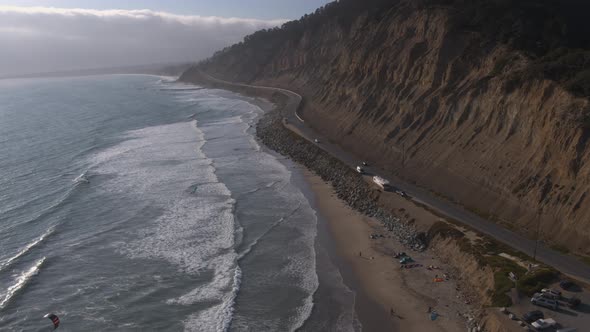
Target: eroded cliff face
(438,106)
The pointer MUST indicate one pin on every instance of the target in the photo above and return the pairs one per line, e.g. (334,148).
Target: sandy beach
(388,298)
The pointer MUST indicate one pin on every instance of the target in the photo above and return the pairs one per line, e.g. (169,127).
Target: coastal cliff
(484,103)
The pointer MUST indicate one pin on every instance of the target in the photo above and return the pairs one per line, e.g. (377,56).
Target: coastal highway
(292,120)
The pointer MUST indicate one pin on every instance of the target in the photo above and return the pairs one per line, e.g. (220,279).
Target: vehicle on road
(360,170)
(543,323)
(365,163)
(401,193)
(317,141)
(544,302)
(532,316)
(381,182)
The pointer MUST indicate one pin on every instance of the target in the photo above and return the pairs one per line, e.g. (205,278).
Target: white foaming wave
(308,281)
(301,265)
(21,282)
(26,248)
(195,231)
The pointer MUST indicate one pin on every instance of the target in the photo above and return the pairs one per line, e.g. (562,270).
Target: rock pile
(347,184)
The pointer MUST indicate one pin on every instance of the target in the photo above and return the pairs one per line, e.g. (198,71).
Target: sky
(55,35)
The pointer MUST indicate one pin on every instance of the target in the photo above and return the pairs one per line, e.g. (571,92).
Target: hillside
(484,102)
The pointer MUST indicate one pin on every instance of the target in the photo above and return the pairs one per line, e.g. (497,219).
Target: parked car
(401,193)
(360,170)
(573,302)
(532,316)
(544,302)
(550,293)
(365,163)
(317,141)
(544,323)
(566,284)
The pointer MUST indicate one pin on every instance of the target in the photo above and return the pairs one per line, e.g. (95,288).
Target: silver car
(544,302)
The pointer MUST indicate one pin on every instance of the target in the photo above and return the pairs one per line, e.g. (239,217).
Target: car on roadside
(401,193)
(541,301)
(543,323)
(360,170)
(551,293)
(532,316)
(365,163)
(317,141)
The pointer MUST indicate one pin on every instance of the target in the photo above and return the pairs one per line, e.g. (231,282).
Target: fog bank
(41,39)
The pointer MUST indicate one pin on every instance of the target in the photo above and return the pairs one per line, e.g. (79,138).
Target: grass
(534,282)
(486,252)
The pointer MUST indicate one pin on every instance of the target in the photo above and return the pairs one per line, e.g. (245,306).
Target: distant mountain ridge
(151,69)
(488,99)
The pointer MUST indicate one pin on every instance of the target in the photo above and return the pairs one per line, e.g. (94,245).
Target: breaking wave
(21,282)
(26,249)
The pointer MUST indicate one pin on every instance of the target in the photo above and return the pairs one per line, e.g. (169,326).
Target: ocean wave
(21,282)
(41,214)
(26,249)
(181,89)
(194,230)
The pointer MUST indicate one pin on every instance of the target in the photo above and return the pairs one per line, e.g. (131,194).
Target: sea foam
(21,282)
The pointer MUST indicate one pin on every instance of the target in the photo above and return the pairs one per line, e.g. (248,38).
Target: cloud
(38,39)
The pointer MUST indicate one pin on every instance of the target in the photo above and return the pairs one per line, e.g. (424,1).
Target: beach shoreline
(387,297)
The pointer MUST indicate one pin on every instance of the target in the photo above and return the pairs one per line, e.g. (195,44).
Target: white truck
(542,324)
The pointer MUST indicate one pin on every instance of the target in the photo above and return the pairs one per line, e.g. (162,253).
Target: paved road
(562,262)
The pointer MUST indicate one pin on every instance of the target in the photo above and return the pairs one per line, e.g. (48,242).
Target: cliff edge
(484,102)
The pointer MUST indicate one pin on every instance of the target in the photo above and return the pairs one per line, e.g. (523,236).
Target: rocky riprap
(347,184)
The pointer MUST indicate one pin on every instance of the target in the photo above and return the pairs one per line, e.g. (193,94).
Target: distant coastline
(166,69)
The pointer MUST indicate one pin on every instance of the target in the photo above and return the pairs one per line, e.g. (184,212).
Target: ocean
(135,203)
